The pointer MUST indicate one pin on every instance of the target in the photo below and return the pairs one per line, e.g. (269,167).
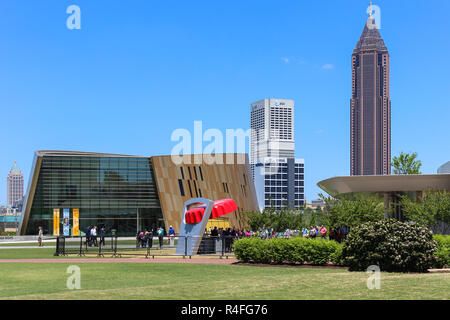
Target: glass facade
(280,183)
(116,192)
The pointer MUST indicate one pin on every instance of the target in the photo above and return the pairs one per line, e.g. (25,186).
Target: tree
(257,220)
(315,217)
(406,163)
(353,210)
(279,220)
(433,210)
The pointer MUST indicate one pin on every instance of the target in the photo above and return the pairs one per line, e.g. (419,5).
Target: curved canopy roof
(386,183)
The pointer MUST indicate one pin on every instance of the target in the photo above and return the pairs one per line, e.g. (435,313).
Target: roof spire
(15,168)
(370,9)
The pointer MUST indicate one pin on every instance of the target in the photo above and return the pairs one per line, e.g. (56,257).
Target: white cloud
(285,60)
(327,66)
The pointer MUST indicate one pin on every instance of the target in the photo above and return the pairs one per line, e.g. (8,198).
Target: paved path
(123,260)
(121,246)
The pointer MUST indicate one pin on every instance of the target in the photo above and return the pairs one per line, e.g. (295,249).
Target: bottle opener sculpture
(194,221)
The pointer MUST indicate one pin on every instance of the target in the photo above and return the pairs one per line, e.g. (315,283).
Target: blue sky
(137,70)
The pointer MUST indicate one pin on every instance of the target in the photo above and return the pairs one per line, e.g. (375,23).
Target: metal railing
(220,246)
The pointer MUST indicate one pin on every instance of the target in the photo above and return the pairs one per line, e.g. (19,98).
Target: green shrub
(443,251)
(298,250)
(277,250)
(294,250)
(391,245)
(251,250)
(336,256)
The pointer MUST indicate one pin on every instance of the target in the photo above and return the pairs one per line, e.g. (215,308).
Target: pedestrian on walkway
(40,236)
(171,239)
(160,234)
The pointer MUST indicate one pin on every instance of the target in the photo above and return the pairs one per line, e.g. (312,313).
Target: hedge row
(294,250)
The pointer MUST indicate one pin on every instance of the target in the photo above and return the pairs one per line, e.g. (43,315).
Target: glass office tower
(118,192)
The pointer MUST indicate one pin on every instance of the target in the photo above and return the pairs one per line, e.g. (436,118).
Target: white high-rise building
(15,186)
(272,130)
(278,176)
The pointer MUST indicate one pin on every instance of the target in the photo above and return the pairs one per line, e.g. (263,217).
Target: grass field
(210,281)
(47,253)
(203,281)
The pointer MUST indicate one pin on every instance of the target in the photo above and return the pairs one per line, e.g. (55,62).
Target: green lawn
(203,281)
(47,253)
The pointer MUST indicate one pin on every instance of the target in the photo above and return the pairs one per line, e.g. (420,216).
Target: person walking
(40,236)
(171,239)
(305,232)
(94,236)
(88,236)
(150,239)
(160,234)
(142,235)
(312,232)
(323,232)
(102,236)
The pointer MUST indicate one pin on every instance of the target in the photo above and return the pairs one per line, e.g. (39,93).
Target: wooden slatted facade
(179,183)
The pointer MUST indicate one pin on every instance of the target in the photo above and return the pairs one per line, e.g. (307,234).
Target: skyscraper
(15,185)
(272,130)
(278,176)
(370,106)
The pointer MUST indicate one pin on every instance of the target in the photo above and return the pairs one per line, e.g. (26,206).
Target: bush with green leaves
(443,251)
(295,250)
(391,245)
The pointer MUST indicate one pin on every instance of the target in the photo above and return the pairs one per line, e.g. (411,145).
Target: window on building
(195,186)
(195,172)
(180,184)
(182,173)
(190,189)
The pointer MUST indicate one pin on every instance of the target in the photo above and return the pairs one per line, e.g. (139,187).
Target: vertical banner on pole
(66,224)
(56,222)
(76,222)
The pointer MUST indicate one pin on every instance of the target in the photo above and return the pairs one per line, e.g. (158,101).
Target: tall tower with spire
(15,185)
(370,105)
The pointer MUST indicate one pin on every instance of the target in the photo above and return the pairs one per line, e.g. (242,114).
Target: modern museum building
(129,193)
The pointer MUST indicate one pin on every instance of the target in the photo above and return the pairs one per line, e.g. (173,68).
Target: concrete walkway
(123,260)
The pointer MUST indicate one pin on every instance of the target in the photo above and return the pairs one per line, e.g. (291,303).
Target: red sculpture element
(220,208)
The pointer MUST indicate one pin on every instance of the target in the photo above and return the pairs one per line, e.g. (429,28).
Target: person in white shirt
(94,235)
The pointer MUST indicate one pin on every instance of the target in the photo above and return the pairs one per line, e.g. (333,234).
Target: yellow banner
(76,222)
(56,222)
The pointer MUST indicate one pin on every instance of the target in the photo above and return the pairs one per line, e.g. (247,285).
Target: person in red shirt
(323,232)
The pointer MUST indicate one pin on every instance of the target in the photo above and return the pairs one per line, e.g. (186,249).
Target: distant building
(15,186)
(272,130)
(317,203)
(370,105)
(9,219)
(278,176)
(279,182)
(445,168)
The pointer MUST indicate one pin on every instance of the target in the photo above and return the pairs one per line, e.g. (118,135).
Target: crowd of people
(315,232)
(337,234)
(92,234)
(144,239)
